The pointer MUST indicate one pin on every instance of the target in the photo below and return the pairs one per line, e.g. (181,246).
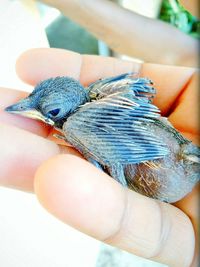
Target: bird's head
(52,101)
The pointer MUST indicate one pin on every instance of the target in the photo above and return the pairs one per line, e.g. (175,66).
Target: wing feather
(116,129)
(141,87)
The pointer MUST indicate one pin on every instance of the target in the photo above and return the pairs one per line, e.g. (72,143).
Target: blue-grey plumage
(114,124)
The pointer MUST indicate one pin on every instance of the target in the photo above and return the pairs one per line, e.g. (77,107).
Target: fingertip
(80,195)
(38,64)
(20,66)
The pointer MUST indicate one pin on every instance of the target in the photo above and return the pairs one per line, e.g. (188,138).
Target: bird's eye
(54,112)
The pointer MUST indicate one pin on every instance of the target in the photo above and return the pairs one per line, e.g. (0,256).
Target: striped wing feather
(115,129)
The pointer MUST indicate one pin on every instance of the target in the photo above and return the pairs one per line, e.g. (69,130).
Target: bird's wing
(116,129)
(141,87)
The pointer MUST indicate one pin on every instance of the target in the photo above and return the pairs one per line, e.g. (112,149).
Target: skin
(79,194)
(191,6)
(129,33)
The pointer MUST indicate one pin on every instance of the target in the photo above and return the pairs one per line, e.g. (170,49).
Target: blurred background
(29,236)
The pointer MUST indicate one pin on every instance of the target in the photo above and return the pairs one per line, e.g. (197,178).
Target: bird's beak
(29,113)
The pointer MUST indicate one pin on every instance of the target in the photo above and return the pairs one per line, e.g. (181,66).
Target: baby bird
(114,124)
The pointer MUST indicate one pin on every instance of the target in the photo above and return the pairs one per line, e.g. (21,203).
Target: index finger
(39,64)
(191,6)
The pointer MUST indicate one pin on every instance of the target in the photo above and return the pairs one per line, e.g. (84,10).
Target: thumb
(89,200)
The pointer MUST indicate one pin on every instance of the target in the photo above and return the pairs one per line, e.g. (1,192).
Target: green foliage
(174,13)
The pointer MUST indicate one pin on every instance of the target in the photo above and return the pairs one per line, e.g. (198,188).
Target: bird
(114,124)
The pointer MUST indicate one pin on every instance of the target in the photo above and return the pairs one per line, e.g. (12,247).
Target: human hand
(78,193)
(192,6)
(129,33)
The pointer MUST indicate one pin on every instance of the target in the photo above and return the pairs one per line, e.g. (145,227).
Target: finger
(45,63)
(38,64)
(190,206)
(33,65)
(96,67)
(191,6)
(170,82)
(21,154)
(8,97)
(89,200)
(187,109)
